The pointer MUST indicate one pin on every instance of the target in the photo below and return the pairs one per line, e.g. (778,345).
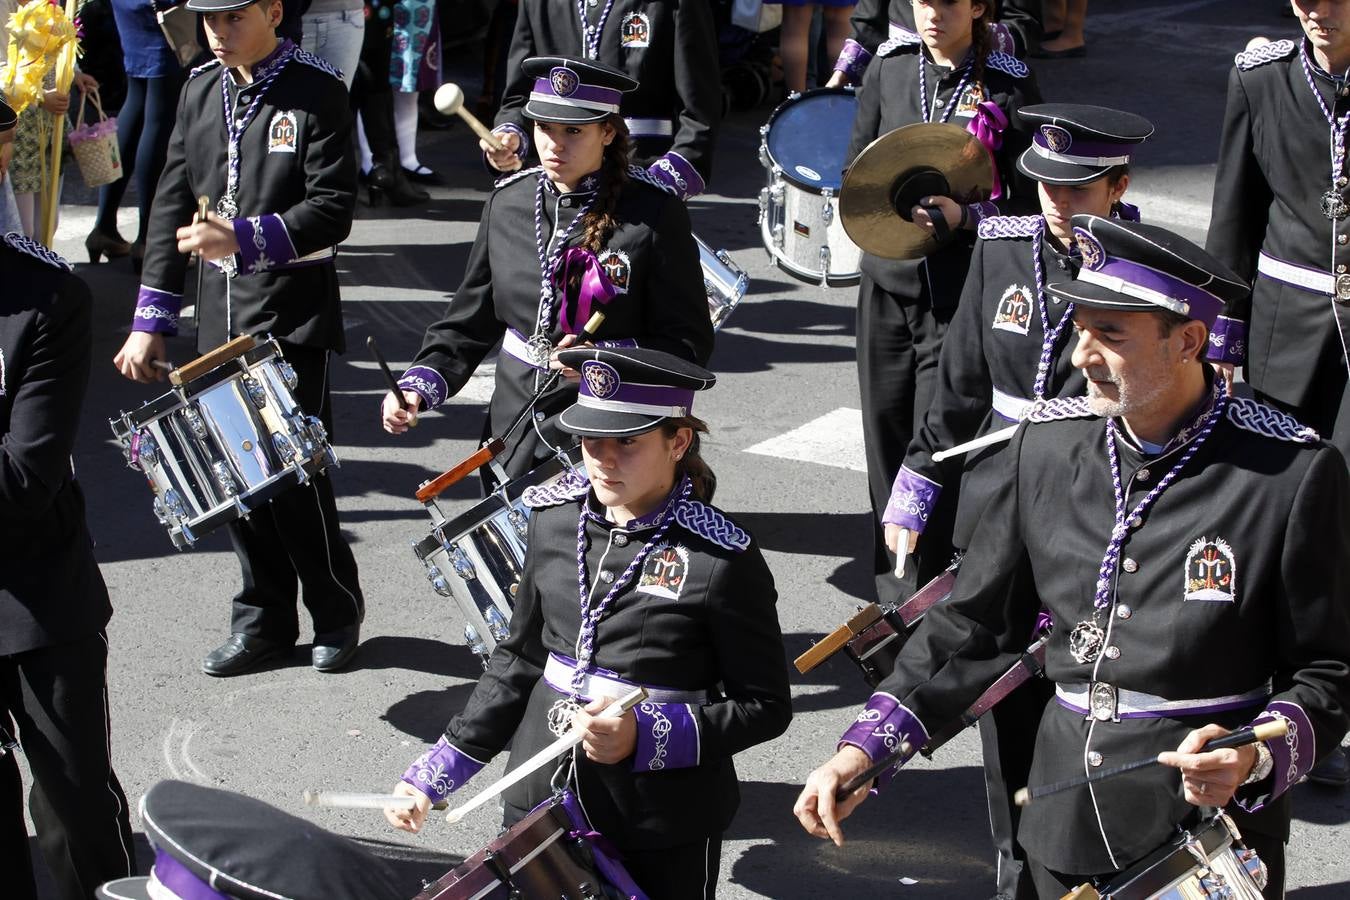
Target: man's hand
(505,159)
(901,542)
(136,360)
(413,819)
(395,419)
(213,238)
(606,739)
(816,807)
(1210,778)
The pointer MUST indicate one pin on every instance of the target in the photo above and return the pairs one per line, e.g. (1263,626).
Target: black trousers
(899,339)
(58,699)
(1008,742)
(686,872)
(294,542)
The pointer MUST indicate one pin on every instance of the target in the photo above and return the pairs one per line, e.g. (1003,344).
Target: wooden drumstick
(200,216)
(449,100)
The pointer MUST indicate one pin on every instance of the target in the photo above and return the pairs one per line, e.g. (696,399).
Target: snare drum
(219,446)
(1209,862)
(804,148)
(476,559)
(723,280)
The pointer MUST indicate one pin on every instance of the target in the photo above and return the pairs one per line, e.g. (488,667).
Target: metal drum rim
(785,174)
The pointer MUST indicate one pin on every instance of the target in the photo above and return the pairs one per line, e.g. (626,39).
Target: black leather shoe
(335,649)
(241,653)
(1333,771)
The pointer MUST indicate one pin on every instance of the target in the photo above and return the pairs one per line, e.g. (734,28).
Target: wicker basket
(95,146)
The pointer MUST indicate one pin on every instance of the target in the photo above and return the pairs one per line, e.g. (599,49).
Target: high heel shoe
(100,244)
(384,182)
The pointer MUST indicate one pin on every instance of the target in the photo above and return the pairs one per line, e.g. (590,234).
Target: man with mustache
(1101,519)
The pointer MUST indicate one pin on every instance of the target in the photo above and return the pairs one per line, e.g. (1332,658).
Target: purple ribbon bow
(988,125)
(595,287)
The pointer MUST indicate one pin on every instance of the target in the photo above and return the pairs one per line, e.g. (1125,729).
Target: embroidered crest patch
(618,267)
(1211,573)
(564,81)
(1014,310)
(1056,138)
(281,133)
(636,31)
(601,378)
(664,572)
(974,95)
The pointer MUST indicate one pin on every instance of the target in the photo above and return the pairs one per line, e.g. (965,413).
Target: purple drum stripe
(584,93)
(1204,305)
(882,726)
(646,394)
(1228,341)
(156,311)
(264,243)
(179,880)
(605,856)
(1083,148)
(912,500)
(427,383)
(441,770)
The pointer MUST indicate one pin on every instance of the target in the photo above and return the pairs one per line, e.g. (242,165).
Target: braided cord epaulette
(898,43)
(708,523)
(637,173)
(1256,417)
(513,177)
(30,247)
(1266,53)
(573,485)
(1058,408)
(204,67)
(309,59)
(993,228)
(1008,64)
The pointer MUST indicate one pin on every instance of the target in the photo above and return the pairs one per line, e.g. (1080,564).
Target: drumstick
(993,437)
(449,100)
(389,379)
(200,216)
(162,364)
(1239,738)
(866,776)
(348,800)
(546,756)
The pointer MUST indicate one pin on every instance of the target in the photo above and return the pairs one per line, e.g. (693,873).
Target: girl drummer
(629,579)
(904,305)
(603,238)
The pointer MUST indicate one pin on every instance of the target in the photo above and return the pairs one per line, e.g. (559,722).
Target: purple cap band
(584,95)
(645,395)
(601,388)
(180,881)
(1083,149)
(1202,305)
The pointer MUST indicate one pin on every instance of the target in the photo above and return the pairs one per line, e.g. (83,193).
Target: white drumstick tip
(449,98)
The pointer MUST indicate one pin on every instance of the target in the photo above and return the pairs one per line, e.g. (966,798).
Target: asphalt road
(785,362)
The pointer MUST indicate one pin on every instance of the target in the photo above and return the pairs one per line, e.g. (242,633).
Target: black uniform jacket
(1267,517)
(668,46)
(714,627)
(889,99)
(871,21)
(296,162)
(1274,167)
(651,255)
(51,591)
(993,343)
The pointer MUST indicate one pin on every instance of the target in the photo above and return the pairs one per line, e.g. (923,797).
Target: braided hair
(981,43)
(600,223)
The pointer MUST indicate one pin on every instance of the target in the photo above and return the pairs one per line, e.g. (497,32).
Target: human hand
(85,82)
(1210,777)
(898,538)
(838,79)
(606,739)
(1229,373)
(951,212)
(6,155)
(395,419)
(136,360)
(505,159)
(568,340)
(211,238)
(817,809)
(410,820)
(55,102)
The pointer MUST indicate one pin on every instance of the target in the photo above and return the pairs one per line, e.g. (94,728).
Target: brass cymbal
(897,169)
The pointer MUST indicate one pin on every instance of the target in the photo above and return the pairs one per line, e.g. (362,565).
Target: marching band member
(265,130)
(1007,349)
(1183,521)
(585,210)
(669,50)
(632,578)
(904,305)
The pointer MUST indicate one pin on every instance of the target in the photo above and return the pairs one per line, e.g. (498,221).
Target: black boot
(388,182)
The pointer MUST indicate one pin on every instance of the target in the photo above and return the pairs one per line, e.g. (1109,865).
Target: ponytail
(692,465)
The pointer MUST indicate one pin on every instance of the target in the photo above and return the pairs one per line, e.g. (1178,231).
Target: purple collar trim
(601,388)
(180,881)
(263,67)
(564,86)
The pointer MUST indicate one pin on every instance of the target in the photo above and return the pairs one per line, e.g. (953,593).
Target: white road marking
(834,439)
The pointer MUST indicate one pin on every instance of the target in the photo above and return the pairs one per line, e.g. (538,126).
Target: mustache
(1099,375)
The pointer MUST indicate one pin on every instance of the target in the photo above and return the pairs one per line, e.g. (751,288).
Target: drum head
(809,135)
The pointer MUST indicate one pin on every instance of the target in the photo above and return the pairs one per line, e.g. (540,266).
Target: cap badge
(601,378)
(564,81)
(1056,138)
(1094,255)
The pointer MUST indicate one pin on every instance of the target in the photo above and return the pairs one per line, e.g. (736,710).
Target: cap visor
(556,112)
(125,889)
(587,421)
(1094,295)
(1053,171)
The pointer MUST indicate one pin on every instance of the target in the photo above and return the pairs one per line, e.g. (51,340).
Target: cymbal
(897,169)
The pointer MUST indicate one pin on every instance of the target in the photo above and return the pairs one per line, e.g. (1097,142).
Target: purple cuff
(264,243)
(678,174)
(667,737)
(509,128)
(1127,212)
(156,311)
(1228,341)
(981,211)
(441,770)
(428,384)
(1293,755)
(619,344)
(912,500)
(853,60)
(881,728)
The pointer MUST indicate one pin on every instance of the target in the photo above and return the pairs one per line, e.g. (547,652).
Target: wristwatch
(1264,763)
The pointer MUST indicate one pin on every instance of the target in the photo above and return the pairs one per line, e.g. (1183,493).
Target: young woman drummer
(630,579)
(951,76)
(1008,348)
(604,238)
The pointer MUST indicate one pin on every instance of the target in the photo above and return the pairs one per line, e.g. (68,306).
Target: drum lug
(254,390)
(764,159)
(146,453)
(460,560)
(519,522)
(824,265)
(287,373)
(497,624)
(476,644)
(284,446)
(437,580)
(778,236)
(763,205)
(224,479)
(195,422)
(827,211)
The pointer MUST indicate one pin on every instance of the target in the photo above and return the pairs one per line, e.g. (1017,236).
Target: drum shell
(724,282)
(224,444)
(1173,872)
